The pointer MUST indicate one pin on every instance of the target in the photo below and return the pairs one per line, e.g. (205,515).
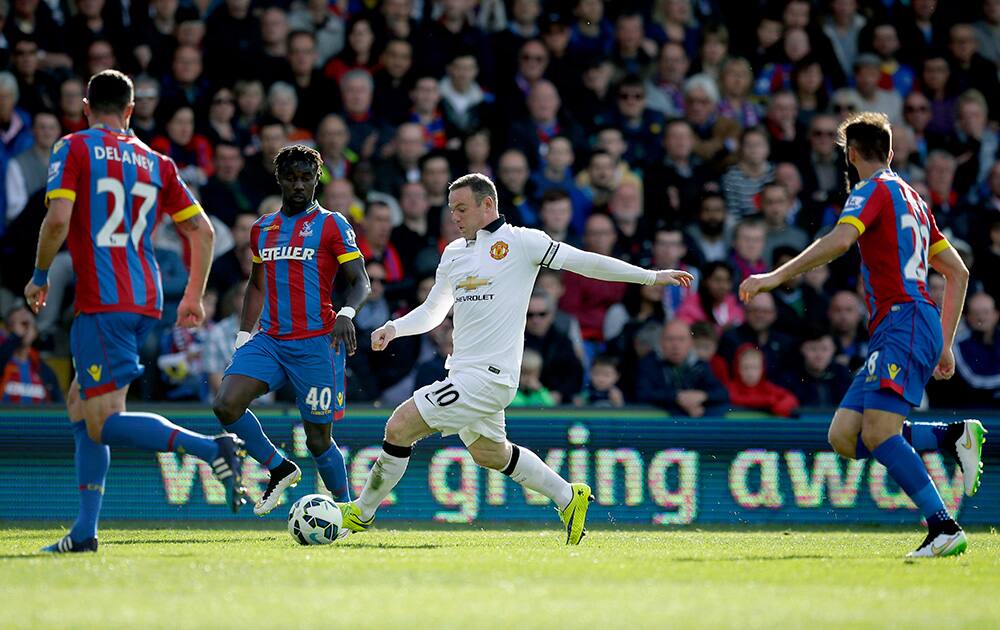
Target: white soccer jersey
(489,281)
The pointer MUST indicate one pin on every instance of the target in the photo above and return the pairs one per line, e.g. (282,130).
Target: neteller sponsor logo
(287,253)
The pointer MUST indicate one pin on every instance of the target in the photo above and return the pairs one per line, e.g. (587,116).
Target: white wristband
(347,312)
(242,337)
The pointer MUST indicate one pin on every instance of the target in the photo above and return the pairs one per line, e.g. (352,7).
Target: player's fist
(35,296)
(757,283)
(946,366)
(190,312)
(382,336)
(343,332)
(673,277)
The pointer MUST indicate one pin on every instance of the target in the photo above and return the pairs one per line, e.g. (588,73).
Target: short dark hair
(553,194)
(110,92)
(294,154)
(869,133)
(481,186)
(704,330)
(605,359)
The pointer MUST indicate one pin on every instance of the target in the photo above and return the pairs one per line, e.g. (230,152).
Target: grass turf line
(259,577)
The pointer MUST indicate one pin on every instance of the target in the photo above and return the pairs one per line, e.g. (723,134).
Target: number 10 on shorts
(319,399)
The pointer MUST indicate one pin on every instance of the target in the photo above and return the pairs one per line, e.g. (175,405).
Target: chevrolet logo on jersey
(471,283)
(287,253)
(95,372)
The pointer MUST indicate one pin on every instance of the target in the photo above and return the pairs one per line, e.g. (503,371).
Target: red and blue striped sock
(258,445)
(909,471)
(333,471)
(92,463)
(152,432)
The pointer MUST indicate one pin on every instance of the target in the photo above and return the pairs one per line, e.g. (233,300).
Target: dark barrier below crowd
(644,468)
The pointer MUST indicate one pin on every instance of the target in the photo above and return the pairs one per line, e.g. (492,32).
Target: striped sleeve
(938,242)
(64,171)
(862,208)
(254,241)
(175,198)
(343,241)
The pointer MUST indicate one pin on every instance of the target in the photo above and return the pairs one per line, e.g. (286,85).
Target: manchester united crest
(499,250)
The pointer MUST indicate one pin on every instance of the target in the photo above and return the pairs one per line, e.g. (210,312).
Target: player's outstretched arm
(822,251)
(201,235)
(357,292)
(950,265)
(422,319)
(51,236)
(602,267)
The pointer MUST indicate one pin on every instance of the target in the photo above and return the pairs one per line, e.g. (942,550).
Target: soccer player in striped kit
(107,192)
(297,253)
(910,338)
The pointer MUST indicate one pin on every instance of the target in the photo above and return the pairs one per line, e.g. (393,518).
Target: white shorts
(468,403)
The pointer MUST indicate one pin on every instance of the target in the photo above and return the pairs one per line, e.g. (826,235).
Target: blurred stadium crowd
(695,134)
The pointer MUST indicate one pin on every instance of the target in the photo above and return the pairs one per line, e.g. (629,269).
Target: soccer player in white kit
(488,276)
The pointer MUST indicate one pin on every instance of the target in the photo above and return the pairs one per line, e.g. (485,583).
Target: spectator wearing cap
(716,137)
(874,98)
(665,87)
(393,82)
(816,379)
(676,380)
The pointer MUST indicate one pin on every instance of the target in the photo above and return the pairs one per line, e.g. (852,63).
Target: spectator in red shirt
(191,151)
(374,243)
(24,378)
(749,388)
(588,299)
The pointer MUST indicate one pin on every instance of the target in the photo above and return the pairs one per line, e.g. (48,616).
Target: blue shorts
(902,355)
(105,348)
(310,365)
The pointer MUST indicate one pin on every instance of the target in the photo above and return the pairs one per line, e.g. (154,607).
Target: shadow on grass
(187,541)
(749,559)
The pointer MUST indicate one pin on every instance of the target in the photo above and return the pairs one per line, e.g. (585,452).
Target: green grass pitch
(258,577)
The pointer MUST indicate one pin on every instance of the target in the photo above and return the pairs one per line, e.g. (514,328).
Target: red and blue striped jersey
(301,255)
(119,188)
(898,238)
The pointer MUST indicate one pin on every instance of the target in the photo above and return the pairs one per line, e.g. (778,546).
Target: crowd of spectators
(692,134)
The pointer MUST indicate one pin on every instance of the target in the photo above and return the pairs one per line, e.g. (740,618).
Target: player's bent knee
(94,428)
(843,444)
(318,439)
(226,408)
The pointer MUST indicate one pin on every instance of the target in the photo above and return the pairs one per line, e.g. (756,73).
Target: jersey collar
(314,206)
(108,128)
(489,228)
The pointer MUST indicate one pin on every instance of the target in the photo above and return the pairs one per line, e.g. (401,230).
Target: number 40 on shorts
(319,399)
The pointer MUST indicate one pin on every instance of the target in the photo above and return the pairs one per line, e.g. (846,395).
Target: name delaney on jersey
(473,283)
(112,154)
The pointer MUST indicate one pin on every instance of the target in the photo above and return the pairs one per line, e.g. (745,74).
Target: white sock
(530,471)
(384,476)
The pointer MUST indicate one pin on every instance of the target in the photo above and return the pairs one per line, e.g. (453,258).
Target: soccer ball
(315,519)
